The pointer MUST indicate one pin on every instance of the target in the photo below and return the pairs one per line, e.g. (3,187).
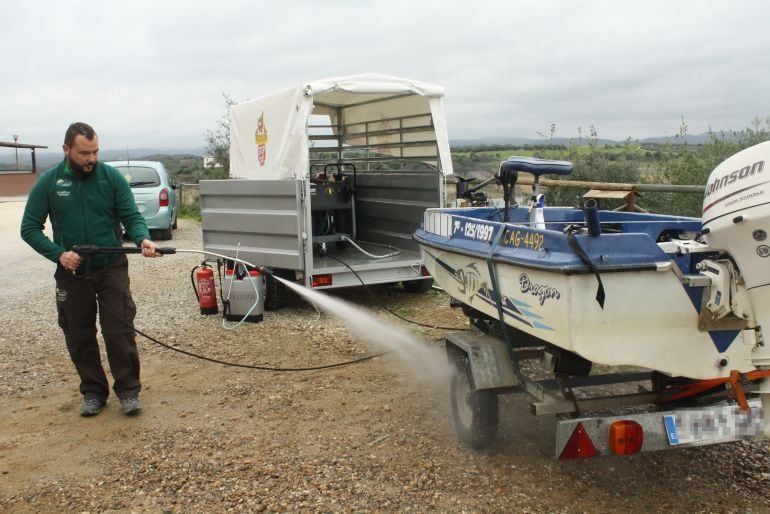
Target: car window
(140,176)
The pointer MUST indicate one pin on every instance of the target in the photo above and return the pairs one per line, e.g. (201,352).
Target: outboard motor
(736,220)
(463,190)
(462,186)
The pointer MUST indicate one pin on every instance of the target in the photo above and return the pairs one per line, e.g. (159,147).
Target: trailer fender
(490,363)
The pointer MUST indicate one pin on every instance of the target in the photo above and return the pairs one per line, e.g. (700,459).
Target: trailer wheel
(418,286)
(475,413)
(275,292)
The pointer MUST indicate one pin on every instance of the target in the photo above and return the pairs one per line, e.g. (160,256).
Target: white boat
(687,297)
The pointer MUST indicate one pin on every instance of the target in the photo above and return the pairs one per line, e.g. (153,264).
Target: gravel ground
(372,437)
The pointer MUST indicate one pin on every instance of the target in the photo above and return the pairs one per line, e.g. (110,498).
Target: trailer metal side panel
(390,205)
(258,219)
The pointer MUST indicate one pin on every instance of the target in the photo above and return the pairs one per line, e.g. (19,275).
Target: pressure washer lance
(88,251)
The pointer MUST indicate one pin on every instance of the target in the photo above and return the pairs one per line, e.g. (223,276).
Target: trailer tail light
(163,198)
(424,271)
(322,280)
(579,445)
(626,437)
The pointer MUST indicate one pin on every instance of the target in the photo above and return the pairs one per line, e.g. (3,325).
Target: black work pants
(76,302)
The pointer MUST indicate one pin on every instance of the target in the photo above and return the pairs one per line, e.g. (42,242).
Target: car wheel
(174,225)
(165,234)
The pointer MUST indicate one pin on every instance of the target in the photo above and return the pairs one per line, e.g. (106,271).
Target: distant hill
(696,139)
(521,141)
(49,159)
(137,153)
(691,139)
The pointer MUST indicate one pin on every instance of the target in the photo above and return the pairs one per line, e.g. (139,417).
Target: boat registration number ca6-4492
(517,238)
(523,238)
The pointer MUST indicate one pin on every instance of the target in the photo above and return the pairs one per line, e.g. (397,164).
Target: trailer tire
(418,286)
(475,413)
(275,292)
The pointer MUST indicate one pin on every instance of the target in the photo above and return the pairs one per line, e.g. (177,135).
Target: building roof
(20,145)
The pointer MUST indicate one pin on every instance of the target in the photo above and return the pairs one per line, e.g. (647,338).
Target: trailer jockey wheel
(475,413)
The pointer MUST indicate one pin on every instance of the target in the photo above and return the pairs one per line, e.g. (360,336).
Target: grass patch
(191,211)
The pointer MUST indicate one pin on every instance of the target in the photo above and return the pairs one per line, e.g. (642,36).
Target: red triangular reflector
(579,445)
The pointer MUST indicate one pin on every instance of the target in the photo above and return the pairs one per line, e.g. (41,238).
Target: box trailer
(329,179)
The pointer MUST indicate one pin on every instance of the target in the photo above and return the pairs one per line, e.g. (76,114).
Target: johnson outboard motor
(736,223)
(736,220)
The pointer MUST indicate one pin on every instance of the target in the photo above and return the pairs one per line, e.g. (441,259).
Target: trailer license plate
(720,424)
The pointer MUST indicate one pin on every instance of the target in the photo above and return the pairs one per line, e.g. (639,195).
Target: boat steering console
(509,172)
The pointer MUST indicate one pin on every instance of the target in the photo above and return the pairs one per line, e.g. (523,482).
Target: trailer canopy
(372,117)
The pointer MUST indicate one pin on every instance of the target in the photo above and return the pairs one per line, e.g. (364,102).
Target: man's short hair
(78,129)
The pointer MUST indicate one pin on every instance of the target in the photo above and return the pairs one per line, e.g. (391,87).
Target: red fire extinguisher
(206,291)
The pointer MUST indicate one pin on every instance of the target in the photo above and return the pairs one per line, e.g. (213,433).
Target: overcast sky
(151,73)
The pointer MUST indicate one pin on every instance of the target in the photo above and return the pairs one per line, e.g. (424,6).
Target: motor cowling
(207,292)
(736,212)
(736,219)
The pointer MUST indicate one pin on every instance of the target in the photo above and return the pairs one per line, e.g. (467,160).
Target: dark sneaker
(131,406)
(91,407)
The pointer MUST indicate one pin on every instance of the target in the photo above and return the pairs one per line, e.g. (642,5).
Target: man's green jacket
(84,208)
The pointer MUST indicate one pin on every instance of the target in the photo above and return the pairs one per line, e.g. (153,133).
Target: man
(86,201)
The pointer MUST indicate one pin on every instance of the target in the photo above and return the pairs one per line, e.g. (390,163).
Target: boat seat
(538,167)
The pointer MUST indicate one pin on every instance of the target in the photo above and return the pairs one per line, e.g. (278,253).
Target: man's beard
(80,169)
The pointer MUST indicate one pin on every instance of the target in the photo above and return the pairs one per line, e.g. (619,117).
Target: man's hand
(70,260)
(148,248)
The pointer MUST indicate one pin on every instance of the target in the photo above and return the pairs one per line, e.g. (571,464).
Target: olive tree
(218,140)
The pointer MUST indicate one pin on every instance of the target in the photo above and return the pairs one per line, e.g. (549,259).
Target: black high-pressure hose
(88,251)
(390,311)
(240,365)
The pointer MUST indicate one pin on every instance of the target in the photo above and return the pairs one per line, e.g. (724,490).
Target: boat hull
(648,317)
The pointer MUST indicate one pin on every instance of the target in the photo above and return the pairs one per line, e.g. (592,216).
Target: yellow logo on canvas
(260,136)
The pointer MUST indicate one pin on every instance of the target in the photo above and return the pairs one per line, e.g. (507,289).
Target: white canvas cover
(269,135)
